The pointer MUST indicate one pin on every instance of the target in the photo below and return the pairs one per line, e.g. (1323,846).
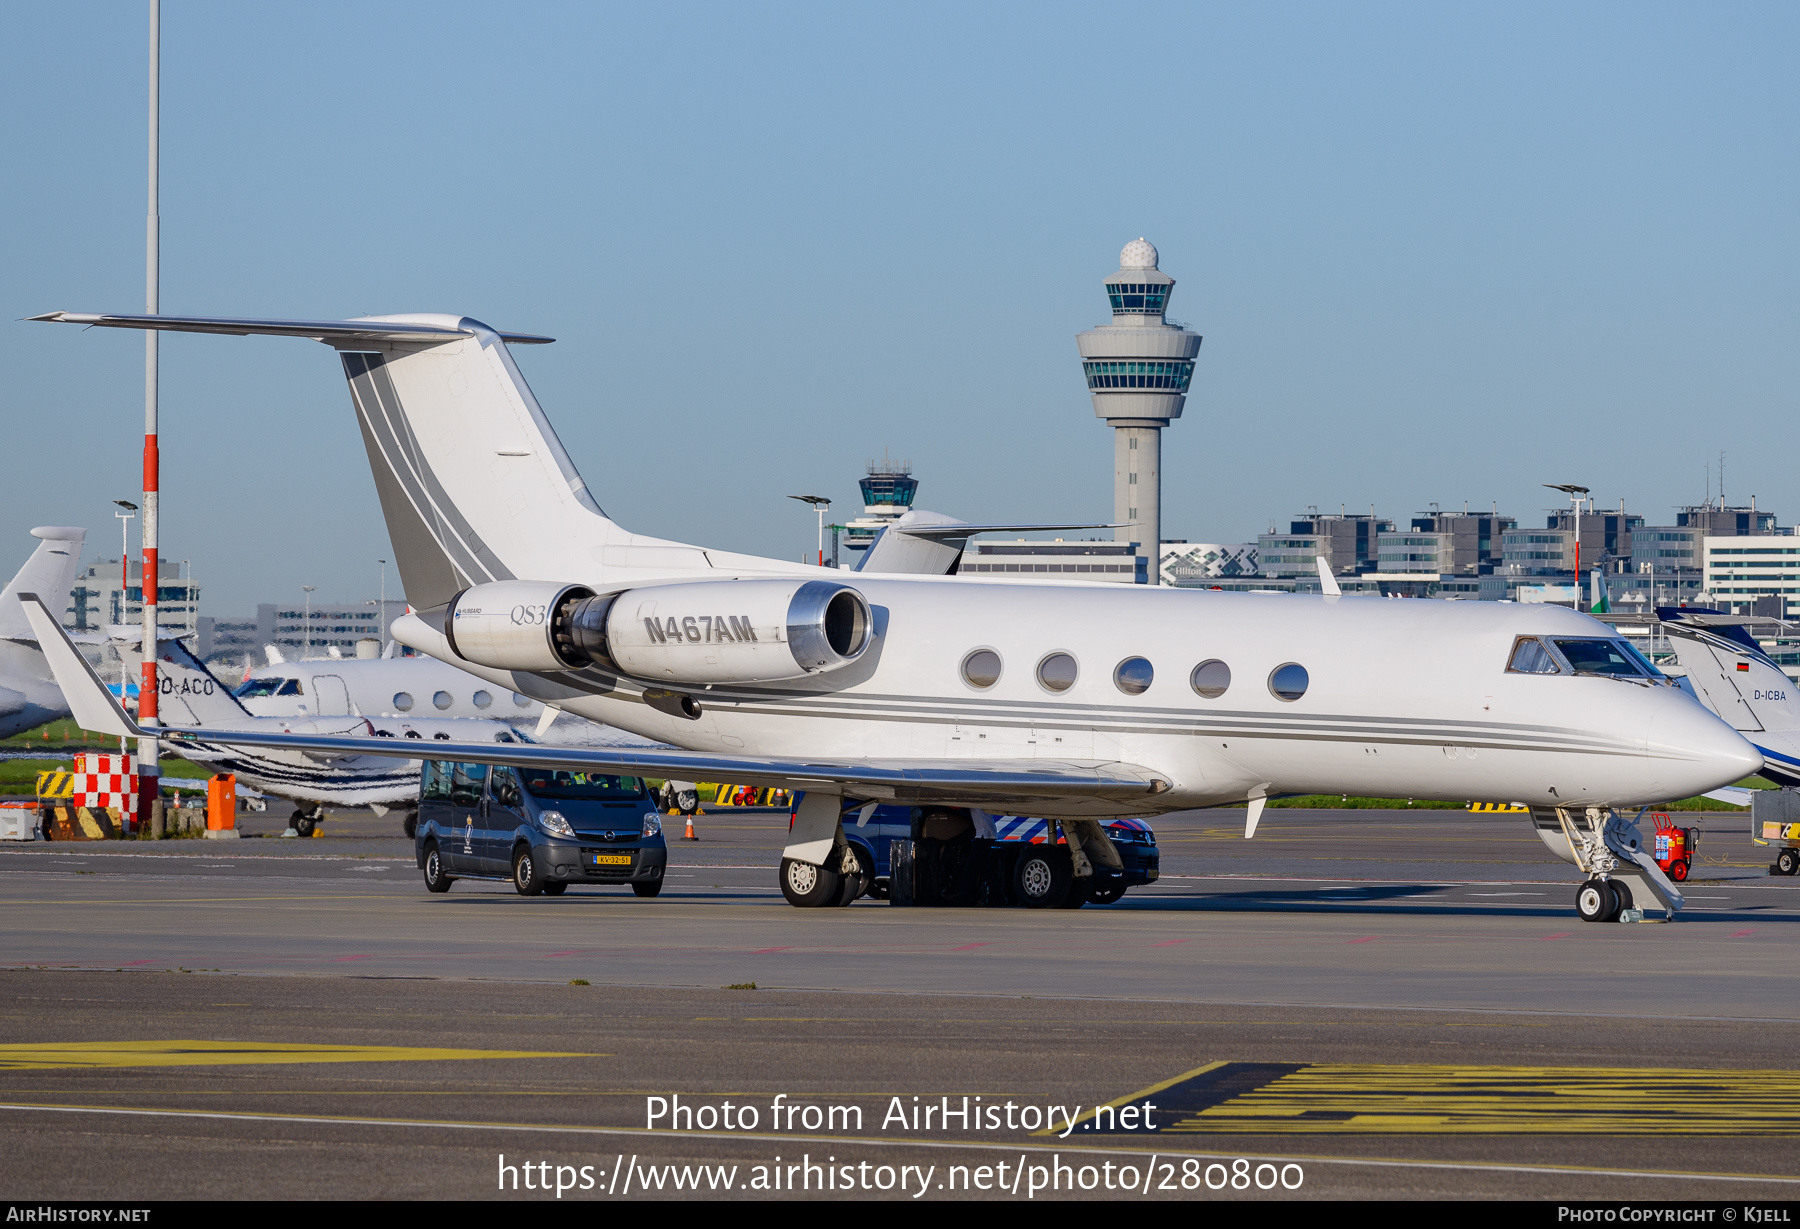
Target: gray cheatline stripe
(1184,721)
(1302,732)
(972,703)
(1574,1171)
(394,433)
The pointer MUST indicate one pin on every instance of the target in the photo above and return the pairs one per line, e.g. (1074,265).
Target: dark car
(871,828)
(543,829)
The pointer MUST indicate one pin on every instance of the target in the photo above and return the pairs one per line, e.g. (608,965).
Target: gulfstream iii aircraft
(1074,702)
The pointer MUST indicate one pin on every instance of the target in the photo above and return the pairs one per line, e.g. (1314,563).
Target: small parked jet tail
(51,570)
(189,694)
(91,704)
(1598,600)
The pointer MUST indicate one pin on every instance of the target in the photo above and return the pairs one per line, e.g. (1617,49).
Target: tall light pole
(382,617)
(819,503)
(128,511)
(1576,495)
(149,766)
(125,519)
(306,622)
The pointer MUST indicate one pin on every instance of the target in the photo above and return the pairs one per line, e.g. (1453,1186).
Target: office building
(97,600)
(1445,544)
(1082,562)
(1754,574)
(1348,541)
(298,631)
(1201,563)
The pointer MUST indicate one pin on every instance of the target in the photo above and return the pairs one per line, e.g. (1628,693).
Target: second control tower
(1138,369)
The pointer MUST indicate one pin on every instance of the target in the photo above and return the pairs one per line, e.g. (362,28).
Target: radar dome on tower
(1138,254)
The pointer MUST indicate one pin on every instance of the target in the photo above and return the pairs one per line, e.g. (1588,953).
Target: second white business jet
(1074,702)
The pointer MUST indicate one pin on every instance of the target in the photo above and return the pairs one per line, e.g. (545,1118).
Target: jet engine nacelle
(710,631)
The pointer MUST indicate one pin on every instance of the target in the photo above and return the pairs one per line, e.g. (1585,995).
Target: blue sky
(1438,252)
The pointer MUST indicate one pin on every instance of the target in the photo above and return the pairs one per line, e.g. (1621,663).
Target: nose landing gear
(1609,848)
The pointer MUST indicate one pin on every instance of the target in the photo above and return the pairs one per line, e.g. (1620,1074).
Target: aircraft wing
(1020,784)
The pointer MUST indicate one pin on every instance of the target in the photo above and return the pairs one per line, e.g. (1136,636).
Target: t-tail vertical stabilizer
(474,483)
(50,571)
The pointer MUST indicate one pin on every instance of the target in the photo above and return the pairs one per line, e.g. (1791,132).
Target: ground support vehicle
(1674,847)
(956,856)
(1787,857)
(540,829)
(1775,820)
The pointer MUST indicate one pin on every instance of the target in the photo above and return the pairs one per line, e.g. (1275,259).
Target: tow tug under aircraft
(1073,703)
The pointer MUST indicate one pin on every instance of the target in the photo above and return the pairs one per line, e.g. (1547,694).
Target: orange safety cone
(690,830)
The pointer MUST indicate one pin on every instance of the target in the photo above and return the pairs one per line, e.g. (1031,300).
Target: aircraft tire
(1041,877)
(1080,891)
(807,886)
(1596,901)
(435,878)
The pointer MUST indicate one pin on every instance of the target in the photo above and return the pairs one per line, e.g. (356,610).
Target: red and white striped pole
(149,766)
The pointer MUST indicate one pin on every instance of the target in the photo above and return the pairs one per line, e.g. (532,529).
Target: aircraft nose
(1695,751)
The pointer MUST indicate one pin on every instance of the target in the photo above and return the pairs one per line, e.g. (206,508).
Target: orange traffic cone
(690,830)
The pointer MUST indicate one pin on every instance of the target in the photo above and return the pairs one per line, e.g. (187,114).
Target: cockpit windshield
(1611,657)
(251,689)
(563,786)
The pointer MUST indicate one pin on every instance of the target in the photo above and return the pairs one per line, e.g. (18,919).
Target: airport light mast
(1138,369)
(820,504)
(149,766)
(1577,496)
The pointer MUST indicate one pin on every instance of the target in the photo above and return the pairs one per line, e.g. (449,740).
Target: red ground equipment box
(1674,847)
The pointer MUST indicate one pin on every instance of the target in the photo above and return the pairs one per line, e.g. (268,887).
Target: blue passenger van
(1003,871)
(543,829)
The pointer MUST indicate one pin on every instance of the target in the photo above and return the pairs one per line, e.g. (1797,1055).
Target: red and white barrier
(106,782)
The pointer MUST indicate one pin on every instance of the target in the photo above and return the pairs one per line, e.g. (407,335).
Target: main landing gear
(304,822)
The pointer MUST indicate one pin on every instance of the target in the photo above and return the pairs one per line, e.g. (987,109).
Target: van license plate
(612,859)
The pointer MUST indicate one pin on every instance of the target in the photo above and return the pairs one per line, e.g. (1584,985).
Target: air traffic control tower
(1138,368)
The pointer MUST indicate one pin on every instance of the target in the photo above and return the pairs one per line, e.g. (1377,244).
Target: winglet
(93,706)
(1327,581)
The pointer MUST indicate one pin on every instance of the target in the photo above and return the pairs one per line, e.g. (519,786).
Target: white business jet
(190,697)
(1074,702)
(29,695)
(387,686)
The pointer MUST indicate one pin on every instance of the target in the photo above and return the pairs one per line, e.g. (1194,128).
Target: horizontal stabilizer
(318,330)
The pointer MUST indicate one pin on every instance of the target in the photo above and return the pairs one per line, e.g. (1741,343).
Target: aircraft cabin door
(330,697)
